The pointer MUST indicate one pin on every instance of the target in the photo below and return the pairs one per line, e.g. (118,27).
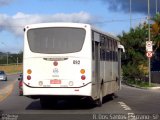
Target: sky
(111,16)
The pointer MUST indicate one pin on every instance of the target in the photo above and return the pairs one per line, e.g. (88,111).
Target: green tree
(155,31)
(134,62)
(12,58)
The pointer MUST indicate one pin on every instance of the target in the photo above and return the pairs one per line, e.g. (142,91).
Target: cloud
(5,2)
(16,23)
(138,6)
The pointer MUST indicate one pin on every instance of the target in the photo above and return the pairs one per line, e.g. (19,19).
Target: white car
(3,75)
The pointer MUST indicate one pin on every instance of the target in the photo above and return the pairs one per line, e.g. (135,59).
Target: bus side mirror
(121,47)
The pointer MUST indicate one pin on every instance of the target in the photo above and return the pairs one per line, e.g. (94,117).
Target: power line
(120,20)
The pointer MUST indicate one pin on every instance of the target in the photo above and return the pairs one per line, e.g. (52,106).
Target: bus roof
(105,33)
(56,24)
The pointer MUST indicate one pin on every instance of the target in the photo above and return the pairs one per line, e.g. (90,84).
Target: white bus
(70,60)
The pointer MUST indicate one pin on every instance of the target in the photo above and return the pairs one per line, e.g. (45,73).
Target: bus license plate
(55,81)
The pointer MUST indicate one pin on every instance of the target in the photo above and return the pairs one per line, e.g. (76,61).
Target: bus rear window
(56,40)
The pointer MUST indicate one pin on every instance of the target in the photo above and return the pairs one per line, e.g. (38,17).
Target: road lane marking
(126,107)
(6,91)
(131,116)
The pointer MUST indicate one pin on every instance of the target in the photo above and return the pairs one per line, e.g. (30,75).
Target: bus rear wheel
(100,100)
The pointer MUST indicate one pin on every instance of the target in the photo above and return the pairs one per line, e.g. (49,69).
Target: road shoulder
(6,91)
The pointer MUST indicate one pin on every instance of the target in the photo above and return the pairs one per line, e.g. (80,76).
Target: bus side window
(107,49)
(113,50)
(110,49)
(93,50)
(116,50)
(93,46)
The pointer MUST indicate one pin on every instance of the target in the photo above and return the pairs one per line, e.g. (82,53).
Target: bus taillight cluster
(29,72)
(82,71)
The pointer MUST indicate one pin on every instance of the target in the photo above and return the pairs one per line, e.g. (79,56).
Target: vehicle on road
(70,60)
(20,78)
(3,75)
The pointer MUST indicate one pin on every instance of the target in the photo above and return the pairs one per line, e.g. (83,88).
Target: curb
(154,88)
(145,88)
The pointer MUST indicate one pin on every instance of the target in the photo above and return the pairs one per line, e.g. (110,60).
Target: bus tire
(100,100)
(44,103)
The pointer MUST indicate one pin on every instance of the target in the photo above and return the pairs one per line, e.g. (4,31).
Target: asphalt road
(10,80)
(131,103)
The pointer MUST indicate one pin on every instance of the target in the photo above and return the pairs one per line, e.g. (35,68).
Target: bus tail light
(29,71)
(83,77)
(82,71)
(55,63)
(28,77)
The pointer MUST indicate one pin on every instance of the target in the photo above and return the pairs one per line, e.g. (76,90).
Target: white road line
(131,116)
(126,107)
(6,91)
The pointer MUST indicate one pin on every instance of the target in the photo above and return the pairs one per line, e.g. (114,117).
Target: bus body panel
(44,73)
(82,91)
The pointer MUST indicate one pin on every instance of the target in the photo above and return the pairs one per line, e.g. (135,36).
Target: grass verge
(9,69)
(141,84)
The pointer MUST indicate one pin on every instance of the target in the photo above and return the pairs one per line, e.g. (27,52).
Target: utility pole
(149,39)
(156,7)
(130,10)
(17,61)
(7,58)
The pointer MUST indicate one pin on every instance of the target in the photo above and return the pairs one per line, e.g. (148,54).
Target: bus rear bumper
(38,92)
